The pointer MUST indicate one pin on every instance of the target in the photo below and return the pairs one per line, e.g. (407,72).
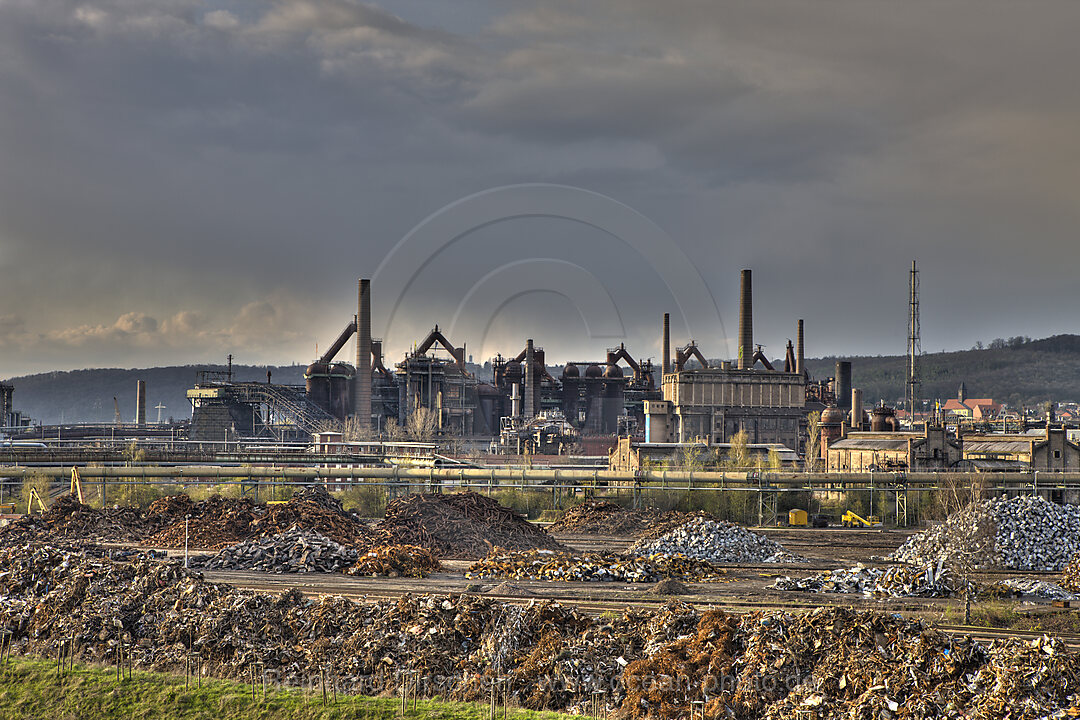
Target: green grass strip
(30,688)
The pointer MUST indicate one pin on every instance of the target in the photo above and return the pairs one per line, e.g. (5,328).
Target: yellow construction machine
(30,502)
(850,519)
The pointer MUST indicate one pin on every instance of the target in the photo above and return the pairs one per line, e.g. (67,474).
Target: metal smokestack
(667,344)
(856,409)
(140,403)
(800,360)
(746,323)
(362,384)
(842,387)
(530,397)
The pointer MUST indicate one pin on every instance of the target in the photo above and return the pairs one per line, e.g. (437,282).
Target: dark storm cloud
(184,177)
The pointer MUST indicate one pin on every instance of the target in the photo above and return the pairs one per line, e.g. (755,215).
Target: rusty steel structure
(598,398)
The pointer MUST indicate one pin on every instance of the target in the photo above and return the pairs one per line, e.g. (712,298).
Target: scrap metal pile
(715,542)
(295,551)
(828,663)
(592,567)
(1020,533)
(396,561)
(215,523)
(596,517)
(935,580)
(897,581)
(1070,574)
(68,519)
(462,525)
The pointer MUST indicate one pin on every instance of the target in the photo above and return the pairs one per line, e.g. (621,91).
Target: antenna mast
(914,340)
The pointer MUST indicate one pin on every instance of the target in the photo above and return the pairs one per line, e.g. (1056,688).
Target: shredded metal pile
(715,542)
(215,523)
(1020,533)
(314,509)
(461,525)
(295,551)
(592,567)
(597,517)
(68,519)
(897,581)
(828,663)
(1032,587)
(1070,575)
(396,561)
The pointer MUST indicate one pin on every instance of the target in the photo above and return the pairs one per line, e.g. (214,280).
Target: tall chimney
(140,403)
(362,384)
(842,387)
(667,345)
(800,364)
(746,323)
(530,397)
(856,409)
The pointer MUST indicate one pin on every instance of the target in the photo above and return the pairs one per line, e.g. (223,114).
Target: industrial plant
(527,405)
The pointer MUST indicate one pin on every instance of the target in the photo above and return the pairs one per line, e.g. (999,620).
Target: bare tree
(422,425)
(813,431)
(738,456)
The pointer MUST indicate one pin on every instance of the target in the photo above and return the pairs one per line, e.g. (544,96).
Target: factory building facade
(715,404)
(931,450)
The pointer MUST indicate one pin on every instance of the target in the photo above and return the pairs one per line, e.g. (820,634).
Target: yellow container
(796,517)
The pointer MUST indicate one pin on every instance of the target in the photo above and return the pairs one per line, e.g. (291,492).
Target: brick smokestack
(362,384)
(140,403)
(666,368)
(746,322)
(800,359)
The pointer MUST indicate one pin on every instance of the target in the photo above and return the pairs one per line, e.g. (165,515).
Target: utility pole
(914,340)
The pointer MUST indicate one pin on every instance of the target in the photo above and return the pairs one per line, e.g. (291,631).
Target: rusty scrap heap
(827,663)
(396,561)
(462,525)
(598,517)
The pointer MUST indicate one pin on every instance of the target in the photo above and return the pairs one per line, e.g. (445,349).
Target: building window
(1057,454)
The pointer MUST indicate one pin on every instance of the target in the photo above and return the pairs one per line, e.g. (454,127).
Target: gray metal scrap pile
(592,567)
(929,581)
(715,542)
(295,551)
(828,663)
(934,580)
(1021,533)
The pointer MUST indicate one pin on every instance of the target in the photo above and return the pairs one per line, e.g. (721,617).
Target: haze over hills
(1016,371)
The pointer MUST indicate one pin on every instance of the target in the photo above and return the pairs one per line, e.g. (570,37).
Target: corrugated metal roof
(870,444)
(997,446)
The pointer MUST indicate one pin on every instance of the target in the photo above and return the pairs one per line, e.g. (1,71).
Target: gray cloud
(184,178)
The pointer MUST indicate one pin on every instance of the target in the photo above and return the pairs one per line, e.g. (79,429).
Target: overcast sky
(180,180)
